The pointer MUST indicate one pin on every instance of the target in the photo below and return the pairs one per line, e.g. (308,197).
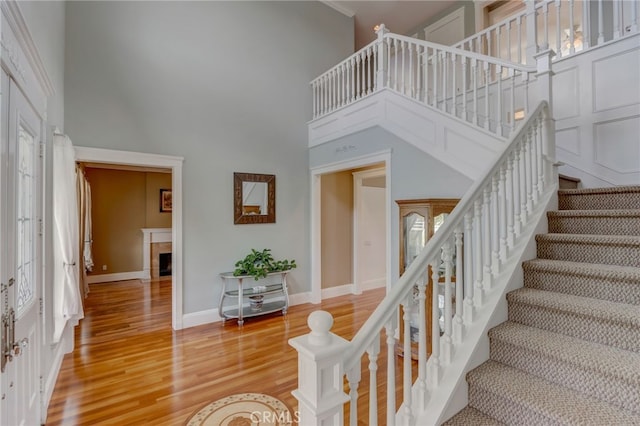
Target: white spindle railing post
(558,30)
(433,373)
(600,22)
(617,19)
(407,379)
(353,378)
(422,343)
(572,48)
(373,383)
(320,372)
(532,31)
(634,16)
(446,340)
(586,24)
(494,210)
(391,374)
(478,290)
(468,311)
(459,286)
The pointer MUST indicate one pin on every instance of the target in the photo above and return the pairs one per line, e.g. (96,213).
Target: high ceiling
(399,17)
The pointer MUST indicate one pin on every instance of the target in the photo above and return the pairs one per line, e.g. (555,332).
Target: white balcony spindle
(524,217)
(519,29)
(558,29)
(486,240)
(445,73)
(600,22)
(517,191)
(464,77)
(353,378)
(534,163)
(498,53)
(572,48)
(454,93)
(502,207)
(545,12)
(617,20)
(388,44)
(510,201)
(486,95)
(586,24)
(446,339)
(529,169)
(499,95)
(422,342)
(634,18)
(474,69)
(412,87)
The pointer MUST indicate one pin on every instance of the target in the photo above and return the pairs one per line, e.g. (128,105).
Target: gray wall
(224,85)
(413,173)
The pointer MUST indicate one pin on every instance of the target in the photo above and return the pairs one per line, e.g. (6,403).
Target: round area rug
(243,409)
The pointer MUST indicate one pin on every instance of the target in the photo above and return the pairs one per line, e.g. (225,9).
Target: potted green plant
(259,263)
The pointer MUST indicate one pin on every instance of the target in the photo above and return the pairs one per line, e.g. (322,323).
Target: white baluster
(517,191)
(406,362)
(600,23)
(486,239)
(586,24)
(524,218)
(478,291)
(510,199)
(419,73)
(353,84)
(369,70)
(468,269)
(498,53)
(464,88)
(502,200)
(411,83)
(545,11)
(541,183)
(519,27)
(534,163)
(572,48)
(445,63)
(486,94)
(529,176)
(454,94)
(509,41)
(488,37)
(617,20)
(373,383)
(499,95)
(353,377)
(422,342)
(364,72)
(433,374)
(404,72)
(358,90)
(558,30)
(446,340)
(634,18)
(395,63)
(474,69)
(459,286)
(426,75)
(388,43)
(512,117)
(435,78)
(495,227)
(391,375)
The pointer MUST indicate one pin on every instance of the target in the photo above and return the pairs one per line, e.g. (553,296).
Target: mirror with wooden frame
(254,198)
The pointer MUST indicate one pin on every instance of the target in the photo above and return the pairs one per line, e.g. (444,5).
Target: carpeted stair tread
(527,399)
(623,250)
(600,222)
(601,371)
(608,282)
(584,306)
(470,416)
(616,197)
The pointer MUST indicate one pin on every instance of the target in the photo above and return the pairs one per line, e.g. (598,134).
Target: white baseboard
(64,346)
(119,276)
(373,284)
(341,290)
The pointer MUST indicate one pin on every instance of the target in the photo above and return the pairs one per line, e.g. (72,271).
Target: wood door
(21,266)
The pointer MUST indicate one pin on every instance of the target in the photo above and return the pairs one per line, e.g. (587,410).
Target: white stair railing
(470,249)
(564,26)
(456,82)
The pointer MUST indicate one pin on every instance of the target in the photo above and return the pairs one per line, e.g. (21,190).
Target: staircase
(570,350)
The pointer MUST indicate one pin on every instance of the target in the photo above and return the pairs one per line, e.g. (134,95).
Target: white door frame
(109,156)
(358,177)
(316,212)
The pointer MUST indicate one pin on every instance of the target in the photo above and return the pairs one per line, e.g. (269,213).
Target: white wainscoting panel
(569,140)
(566,94)
(616,81)
(617,144)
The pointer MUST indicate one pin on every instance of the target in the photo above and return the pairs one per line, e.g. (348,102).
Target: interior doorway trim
(316,216)
(109,156)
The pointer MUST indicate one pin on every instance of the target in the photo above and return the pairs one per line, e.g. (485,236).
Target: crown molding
(340,8)
(15,19)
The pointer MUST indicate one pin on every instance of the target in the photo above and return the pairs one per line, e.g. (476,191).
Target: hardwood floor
(130,367)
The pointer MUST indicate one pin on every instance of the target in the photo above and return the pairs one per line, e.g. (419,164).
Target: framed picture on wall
(166,202)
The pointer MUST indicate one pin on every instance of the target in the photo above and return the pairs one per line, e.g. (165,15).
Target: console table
(243,297)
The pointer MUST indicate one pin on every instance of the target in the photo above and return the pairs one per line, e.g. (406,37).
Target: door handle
(19,347)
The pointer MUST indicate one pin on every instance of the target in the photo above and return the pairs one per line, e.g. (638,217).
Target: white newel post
(381,57)
(320,373)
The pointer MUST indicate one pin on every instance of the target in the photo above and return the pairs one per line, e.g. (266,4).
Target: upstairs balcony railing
(467,255)
(567,27)
(451,80)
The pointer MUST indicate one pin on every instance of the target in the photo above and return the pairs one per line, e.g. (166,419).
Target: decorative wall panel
(616,144)
(615,80)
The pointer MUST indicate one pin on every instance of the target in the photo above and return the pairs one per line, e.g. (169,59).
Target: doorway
(382,161)
(136,159)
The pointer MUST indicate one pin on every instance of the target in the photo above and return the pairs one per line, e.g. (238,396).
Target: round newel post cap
(320,322)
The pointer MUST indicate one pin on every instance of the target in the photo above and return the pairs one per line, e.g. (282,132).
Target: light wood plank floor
(130,367)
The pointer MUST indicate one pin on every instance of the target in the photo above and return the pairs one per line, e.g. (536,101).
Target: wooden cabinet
(419,219)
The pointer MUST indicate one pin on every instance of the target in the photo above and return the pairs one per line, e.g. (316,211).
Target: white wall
(222,84)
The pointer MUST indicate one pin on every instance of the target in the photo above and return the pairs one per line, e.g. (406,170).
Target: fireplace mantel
(151,236)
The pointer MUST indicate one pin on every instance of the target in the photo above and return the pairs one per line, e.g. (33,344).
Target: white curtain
(88,239)
(67,303)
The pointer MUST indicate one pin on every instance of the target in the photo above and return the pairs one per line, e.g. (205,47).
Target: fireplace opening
(164,263)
